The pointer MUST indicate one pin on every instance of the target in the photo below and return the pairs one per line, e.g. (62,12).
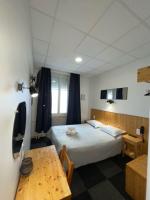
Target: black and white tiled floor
(104,180)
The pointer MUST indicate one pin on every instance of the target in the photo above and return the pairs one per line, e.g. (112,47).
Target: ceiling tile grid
(142,52)
(40,47)
(106,33)
(110,54)
(41,25)
(123,60)
(46,6)
(65,37)
(140,7)
(116,22)
(39,60)
(91,47)
(133,39)
(82,14)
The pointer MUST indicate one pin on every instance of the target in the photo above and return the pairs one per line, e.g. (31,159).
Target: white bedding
(88,145)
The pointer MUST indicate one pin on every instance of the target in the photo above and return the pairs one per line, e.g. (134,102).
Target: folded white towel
(71,131)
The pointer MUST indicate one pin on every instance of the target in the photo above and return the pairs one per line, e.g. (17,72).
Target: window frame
(58,114)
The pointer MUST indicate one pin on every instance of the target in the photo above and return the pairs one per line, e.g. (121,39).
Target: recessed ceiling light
(78,59)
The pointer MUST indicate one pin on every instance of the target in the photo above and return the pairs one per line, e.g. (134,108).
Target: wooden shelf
(144,74)
(132,139)
(131,146)
(129,153)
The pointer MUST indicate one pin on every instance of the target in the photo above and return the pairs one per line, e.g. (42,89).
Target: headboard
(126,122)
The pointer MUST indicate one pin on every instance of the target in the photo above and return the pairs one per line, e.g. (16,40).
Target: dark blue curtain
(43,118)
(74,109)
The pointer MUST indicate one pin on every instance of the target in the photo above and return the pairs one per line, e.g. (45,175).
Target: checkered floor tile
(104,180)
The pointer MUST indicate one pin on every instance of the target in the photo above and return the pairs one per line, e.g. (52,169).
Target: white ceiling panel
(91,47)
(101,69)
(65,37)
(135,38)
(107,67)
(116,22)
(105,33)
(140,7)
(46,6)
(109,54)
(62,69)
(38,60)
(41,25)
(40,47)
(82,13)
(65,61)
(148,20)
(91,64)
(142,51)
(122,60)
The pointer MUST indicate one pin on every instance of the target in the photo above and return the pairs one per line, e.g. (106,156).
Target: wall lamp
(110,101)
(147,93)
(32,88)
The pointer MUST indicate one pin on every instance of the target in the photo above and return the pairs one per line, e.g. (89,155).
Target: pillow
(113,131)
(95,124)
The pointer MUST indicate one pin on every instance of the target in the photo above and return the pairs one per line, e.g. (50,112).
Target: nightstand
(131,146)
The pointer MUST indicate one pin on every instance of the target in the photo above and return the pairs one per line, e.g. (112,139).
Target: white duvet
(88,145)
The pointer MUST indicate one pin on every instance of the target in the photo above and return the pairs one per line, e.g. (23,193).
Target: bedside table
(131,146)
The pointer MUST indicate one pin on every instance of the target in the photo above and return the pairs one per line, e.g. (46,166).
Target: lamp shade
(33,91)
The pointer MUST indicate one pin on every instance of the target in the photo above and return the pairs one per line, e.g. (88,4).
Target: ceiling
(105,33)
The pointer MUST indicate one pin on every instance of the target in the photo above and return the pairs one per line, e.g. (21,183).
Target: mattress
(88,145)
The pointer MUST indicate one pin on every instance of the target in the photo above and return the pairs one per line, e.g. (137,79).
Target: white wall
(84,89)
(148,169)
(15,65)
(137,104)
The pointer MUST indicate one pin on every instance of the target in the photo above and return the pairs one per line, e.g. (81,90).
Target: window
(60,84)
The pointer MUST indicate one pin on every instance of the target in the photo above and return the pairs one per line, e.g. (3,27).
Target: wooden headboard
(128,123)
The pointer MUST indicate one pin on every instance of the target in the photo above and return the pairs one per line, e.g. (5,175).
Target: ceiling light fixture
(78,59)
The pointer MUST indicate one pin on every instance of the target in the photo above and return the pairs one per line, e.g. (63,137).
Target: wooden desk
(47,181)
(136,173)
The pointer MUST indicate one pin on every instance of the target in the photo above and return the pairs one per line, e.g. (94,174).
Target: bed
(89,145)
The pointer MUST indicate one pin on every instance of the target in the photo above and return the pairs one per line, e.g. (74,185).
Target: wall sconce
(110,101)
(32,88)
(147,93)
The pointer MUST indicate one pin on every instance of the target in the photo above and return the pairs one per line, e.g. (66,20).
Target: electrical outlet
(138,131)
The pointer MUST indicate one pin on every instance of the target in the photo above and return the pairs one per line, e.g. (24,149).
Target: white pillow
(113,131)
(95,124)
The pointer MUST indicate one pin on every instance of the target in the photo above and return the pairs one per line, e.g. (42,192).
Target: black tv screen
(103,94)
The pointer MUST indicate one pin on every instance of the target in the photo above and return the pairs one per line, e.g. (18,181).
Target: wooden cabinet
(132,146)
(136,173)
(144,74)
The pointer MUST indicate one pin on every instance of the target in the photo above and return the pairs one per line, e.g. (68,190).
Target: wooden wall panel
(128,123)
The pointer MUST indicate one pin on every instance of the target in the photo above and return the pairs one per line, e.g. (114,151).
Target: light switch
(138,131)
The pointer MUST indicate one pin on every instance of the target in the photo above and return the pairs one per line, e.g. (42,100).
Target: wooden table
(136,175)
(47,181)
